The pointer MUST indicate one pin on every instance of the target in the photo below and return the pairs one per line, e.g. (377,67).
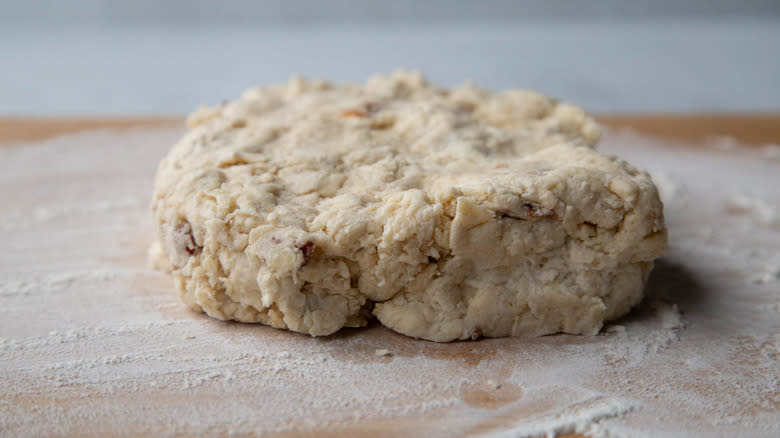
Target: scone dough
(446,214)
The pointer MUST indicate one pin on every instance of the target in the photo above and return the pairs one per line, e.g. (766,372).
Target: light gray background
(146,57)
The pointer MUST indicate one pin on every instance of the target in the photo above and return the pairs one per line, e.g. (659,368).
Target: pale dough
(446,214)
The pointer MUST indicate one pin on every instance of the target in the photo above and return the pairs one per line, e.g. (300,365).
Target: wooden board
(756,129)
(75,226)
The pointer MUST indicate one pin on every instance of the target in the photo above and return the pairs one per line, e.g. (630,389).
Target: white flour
(92,341)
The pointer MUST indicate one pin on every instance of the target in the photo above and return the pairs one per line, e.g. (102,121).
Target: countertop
(93,342)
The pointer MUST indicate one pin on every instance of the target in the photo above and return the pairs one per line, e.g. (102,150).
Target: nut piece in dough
(446,214)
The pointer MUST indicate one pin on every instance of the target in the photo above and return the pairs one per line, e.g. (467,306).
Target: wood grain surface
(751,129)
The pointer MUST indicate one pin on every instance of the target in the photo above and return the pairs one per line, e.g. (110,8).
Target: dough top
(308,197)
(402,131)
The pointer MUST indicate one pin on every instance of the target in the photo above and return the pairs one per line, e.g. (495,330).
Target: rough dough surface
(446,214)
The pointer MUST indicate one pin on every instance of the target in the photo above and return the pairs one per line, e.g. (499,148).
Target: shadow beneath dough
(670,282)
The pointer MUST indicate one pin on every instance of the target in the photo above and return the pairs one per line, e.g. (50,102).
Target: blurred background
(164,57)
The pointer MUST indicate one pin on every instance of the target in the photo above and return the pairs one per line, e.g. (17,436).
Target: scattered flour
(88,332)
(669,189)
(75,208)
(583,418)
(724,143)
(764,212)
(49,213)
(32,284)
(770,274)
(771,151)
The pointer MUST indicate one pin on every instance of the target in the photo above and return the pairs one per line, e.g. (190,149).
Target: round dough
(446,214)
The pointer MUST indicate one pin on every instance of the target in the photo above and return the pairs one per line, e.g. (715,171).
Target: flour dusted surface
(94,342)
(452,214)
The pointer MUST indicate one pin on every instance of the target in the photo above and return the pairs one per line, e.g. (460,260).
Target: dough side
(446,214)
